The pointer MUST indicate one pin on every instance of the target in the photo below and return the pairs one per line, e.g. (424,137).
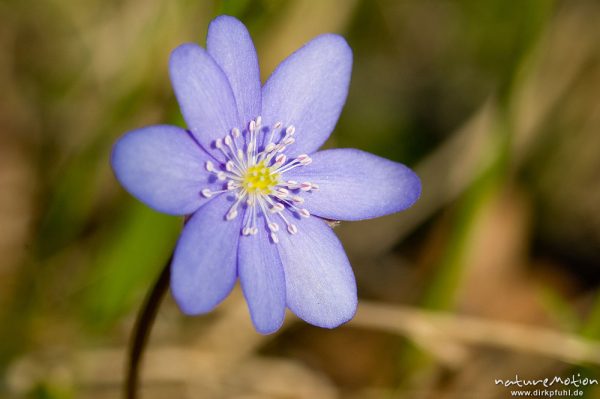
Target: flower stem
(141,330)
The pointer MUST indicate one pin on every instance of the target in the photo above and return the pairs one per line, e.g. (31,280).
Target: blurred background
(493,273)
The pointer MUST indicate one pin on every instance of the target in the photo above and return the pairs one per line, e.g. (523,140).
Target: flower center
(260,179)
(253,171)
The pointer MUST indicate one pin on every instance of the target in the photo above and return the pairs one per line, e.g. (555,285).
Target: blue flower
(249,174)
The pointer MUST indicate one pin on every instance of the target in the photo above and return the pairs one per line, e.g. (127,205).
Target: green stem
(141,330)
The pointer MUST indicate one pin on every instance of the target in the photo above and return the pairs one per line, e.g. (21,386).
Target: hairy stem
(141,330)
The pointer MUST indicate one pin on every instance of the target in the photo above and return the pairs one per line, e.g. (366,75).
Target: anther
(283,192)
(270,147)
(291,129)
(304,159)
(306,186)
(304,213)
(279,160)
(209,166)
(277,207)
(231,214)
(206,193)
(273,226)
(292,229)
(235,132)
(274,238)
(231,185)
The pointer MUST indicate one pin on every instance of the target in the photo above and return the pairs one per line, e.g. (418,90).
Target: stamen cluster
(254,174)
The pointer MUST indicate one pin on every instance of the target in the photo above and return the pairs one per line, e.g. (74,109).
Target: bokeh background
(493,273)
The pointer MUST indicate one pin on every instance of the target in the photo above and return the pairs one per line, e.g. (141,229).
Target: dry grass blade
(467,330)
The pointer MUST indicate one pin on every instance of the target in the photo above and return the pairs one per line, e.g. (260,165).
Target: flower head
(248,172)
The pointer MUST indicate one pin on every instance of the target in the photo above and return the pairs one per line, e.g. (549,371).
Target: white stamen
(292,229)
(231,214)
(209,166)
(303,212)
(279,160)
(305,186)
(270,147)
(283,192)
(274,238)
(304,159)
(206,193)
(291,184)
(273,226)
(231,185)
(277,207)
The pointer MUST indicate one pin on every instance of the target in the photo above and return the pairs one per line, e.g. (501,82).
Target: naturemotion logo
(574,381)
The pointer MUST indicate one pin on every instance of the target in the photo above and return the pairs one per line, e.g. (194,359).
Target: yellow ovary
(258,179)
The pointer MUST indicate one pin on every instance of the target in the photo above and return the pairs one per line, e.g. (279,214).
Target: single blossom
(248,173)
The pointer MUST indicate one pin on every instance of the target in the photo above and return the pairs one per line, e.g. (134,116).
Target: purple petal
(308,90)
(204,94)
(205,259)
(356,185)
(163,167)
(230,44)
(262,280)
(320,286)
